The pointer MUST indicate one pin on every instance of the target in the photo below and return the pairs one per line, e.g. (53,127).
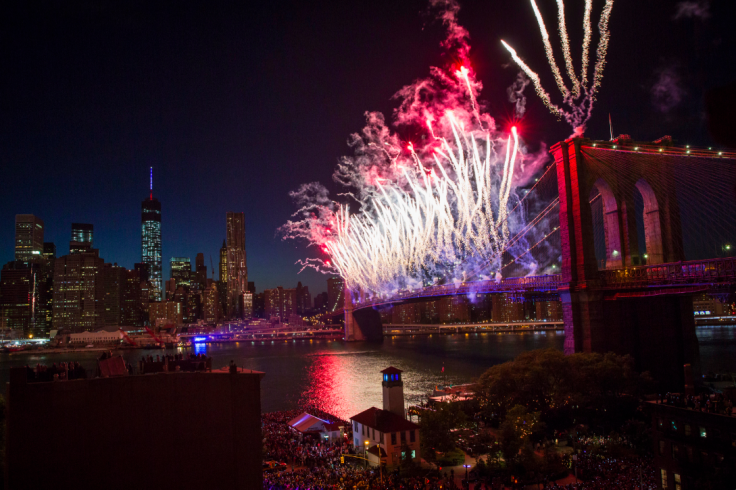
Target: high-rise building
(303,299)
(247,304)
(223,263)
(151,242)
(237,269)
(79,292)
(145,301)
(47,273)
(193,310)
(169,288)
(49,252)
(211,304)
(200,271)
(252,287)
(82,234)
(20,299)
(142,270)
(259,305)
(335,287)
(132,307)
(115,278)
(499,308)
(165,313)
(181,271)
(279,303)
(272,299)
(28,238)
(321,301)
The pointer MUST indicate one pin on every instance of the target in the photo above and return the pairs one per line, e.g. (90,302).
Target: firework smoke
(579,99)
(434,209)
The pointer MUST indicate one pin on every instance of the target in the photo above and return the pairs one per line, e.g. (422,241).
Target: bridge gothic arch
(652,223)
(611,223)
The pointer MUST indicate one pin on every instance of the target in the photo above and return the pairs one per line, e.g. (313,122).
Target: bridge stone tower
(363,324)
(657,330)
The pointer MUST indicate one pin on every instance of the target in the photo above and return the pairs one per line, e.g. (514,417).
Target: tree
(547,381)
(517,429)
(437,424)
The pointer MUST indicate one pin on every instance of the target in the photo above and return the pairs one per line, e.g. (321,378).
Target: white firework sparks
(439,209)
(441,215)
(582,95)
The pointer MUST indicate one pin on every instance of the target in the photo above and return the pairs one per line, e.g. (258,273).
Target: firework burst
(437,208)
(581,96)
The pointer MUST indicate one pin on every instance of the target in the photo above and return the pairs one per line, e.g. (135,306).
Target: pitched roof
(391,370)
(308,423)
(383,420)
(333,426)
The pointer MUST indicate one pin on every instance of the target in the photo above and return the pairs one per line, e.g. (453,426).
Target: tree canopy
(547,380)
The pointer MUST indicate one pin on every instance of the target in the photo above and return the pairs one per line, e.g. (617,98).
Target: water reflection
(345,379)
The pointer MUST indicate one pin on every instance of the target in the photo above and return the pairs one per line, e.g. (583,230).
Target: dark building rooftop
(383,421)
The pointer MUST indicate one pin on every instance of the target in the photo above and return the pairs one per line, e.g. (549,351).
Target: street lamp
(365,452)
(466,474)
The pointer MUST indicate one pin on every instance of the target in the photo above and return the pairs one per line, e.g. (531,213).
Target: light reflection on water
(345,379)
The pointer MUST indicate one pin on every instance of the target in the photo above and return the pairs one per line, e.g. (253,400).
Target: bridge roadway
(674,277)
(499,327)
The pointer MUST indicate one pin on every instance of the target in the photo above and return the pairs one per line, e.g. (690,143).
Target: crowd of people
(174,362)
(597,472)
(56,372)
(715,403)
(312,463)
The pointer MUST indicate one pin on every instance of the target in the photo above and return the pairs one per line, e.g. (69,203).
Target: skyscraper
(335,286)
(28,238)
(151,243)
(200,271)
(223,263)
(303,299)
(79,291)
(47,288)
(279,303)
(181,271)
(82,233)
(237,270)
(211,304)
(20,298)
(114,281)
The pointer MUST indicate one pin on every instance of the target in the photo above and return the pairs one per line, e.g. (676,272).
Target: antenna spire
(151,183)
(610,125)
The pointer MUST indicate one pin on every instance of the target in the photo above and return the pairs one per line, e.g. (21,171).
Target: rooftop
(383,420)
(391,370)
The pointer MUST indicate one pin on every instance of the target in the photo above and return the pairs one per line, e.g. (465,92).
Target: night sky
(234,104)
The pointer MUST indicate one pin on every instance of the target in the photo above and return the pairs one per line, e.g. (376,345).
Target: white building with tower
(384,434)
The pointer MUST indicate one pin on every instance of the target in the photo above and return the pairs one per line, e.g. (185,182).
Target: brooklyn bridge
(641,228)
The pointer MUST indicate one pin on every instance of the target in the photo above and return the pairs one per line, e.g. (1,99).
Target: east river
(343,378)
